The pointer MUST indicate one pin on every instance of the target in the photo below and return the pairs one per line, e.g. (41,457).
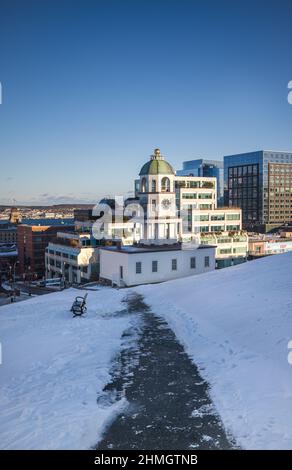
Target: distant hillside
(47,208)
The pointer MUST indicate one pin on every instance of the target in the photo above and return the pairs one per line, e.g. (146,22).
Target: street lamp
(10,274)
(16,262)
(29,268)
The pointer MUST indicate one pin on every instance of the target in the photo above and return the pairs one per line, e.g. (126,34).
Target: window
(205,196)
(165,184)
(174,264)
(217,228)
(138,267)
(154,266)
(205,206)
(239,249)
(143,185)
(193,262)
(207,261)
(153,186)
(233,216)
(218,217)
(233,228)
(225,251)
(122,272)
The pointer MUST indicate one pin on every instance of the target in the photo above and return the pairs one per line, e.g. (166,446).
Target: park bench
(79,306)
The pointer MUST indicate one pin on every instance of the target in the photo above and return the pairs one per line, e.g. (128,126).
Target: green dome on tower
(157,166)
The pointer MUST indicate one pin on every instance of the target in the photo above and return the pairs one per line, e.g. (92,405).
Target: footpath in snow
(55,366)
(169,406)
(235,324)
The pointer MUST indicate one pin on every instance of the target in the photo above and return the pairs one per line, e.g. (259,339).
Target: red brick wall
(32,242)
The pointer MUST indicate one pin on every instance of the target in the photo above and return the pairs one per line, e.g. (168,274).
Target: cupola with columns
(157,197)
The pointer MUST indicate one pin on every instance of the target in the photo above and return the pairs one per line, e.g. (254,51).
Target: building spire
(157,155)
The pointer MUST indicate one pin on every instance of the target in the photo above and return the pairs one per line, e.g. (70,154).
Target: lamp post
(16,262)
(29,268)
(10,275)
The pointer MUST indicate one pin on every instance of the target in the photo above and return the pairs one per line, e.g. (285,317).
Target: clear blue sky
(90,87)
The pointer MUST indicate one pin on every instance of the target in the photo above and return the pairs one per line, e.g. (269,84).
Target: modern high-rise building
(207,168)
(260,183)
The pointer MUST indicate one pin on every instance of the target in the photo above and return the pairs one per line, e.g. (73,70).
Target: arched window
(143,185)
(153,186)
(165,184)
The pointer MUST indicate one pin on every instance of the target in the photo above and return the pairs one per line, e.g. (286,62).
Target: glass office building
(260,183)
(203,167)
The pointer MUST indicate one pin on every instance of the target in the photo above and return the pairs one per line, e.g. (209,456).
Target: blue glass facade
(260,183)
(202,167)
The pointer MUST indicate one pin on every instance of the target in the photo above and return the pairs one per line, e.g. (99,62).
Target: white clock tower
(157,197)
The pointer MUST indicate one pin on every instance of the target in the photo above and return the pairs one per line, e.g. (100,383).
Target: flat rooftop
(153,248)
(47,222)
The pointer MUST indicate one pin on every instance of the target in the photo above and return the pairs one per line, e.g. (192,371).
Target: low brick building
(8,232)
(32,241)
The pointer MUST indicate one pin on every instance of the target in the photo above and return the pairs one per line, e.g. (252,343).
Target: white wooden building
(134,265)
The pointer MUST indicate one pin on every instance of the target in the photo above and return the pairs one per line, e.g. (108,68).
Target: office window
(233,216)
(218,217)
(217,228)
(232,228)
(207,262)
(154,266)
(174,264)
(193,262)
(138,267)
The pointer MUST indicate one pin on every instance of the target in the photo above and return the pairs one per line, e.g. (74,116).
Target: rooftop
(157,165)
(132,249)
(47,222)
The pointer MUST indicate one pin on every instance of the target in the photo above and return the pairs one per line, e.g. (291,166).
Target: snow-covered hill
(236,324)
(54,366)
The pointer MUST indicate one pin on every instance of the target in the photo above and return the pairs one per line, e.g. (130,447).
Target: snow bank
(236,324)
(54,366)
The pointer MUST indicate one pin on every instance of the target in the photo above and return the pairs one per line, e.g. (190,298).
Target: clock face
(166,203)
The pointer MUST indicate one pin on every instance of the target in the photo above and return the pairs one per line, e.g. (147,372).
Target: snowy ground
(236,324)
(54,366)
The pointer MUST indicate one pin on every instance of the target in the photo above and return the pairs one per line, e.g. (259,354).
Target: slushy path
(169,405)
